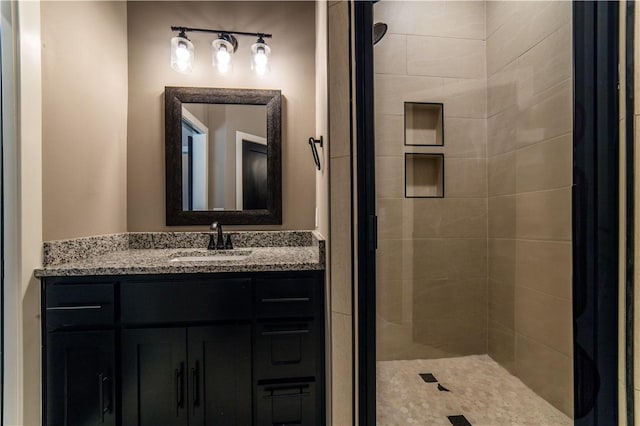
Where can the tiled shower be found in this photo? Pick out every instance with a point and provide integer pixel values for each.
(473, 178)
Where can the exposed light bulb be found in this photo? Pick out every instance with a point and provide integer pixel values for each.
(182, 54)
(182, 57)
(223, 60)
(260, 61)
(222, 50)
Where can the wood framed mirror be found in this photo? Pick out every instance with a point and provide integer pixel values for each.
(223, 156)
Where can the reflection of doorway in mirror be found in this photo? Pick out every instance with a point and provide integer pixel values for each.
(195, 157)
(251, 171)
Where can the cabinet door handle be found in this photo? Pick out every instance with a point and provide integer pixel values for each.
(103, 381)
(285, 332)
(179, 388)
(195, 383)
(285, 300)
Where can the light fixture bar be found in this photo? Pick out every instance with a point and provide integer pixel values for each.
(204, 30)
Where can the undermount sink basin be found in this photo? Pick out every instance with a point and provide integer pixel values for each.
(210, 256)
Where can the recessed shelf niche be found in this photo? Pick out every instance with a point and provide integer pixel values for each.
(423, 124)
(424, 175)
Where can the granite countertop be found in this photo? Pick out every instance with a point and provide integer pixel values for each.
(151, 253)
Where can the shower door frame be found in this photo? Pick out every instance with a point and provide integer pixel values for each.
(594, 212)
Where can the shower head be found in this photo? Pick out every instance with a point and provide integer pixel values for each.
(379, 30)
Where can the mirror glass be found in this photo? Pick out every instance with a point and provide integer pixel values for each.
(224, 157)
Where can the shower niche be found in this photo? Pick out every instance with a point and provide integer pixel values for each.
(424, 175)
(424, 171)
(423, 124)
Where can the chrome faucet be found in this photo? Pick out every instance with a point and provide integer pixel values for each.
(220, 245)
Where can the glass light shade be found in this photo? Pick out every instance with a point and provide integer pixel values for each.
(222, 51)
(260, 58)
(182, 54)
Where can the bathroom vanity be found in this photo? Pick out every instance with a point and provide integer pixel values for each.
(134, 337)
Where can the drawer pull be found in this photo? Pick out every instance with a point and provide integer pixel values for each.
(286, 300)
(287, 395)
(284, 332)
(74, 308)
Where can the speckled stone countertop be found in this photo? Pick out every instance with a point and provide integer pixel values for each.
(151, 253)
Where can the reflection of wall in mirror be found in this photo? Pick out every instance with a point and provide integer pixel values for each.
(195, 182)
(223, 122)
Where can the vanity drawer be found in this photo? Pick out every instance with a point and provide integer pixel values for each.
(287, 404)
(286, 297)
(285, 350)
(185, 301)
(79, 305)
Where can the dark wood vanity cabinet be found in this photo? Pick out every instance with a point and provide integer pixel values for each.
(217, 349)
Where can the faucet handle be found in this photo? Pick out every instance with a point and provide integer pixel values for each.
(228, 245)
(213, 226)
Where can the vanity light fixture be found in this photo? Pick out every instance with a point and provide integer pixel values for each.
(223, 48)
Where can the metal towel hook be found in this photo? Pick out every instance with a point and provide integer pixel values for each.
(312, 143)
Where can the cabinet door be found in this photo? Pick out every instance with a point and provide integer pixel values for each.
(220, 375)
(80, 385)
(154, 383)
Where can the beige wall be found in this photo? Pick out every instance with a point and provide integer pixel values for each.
(292, 71)
(432, 252)
(84, 114)
(529, 102)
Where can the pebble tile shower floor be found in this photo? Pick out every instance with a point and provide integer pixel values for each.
(478, 389)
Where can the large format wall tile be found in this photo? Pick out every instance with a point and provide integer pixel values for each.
(389, 134)
(549, 115)
(440, 259)
(340, 241)
(502, 217)
(393, 90)
(445, 57)
(544, 318)
(464, 98)
(465, 177)
(533, 22)
(437, 18)
(554, 156)
(502, 89)
(391, 55)
(338, 75)
(544, 215)
(501, 345)
(390, 177)
(389, 300)
(341, 369)
(444, 218)
(502, 260)
(546, 65)
(501, 172)
(450, 318)
(501, 303)
(465, 137)
(548, 372)
(545, 266)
